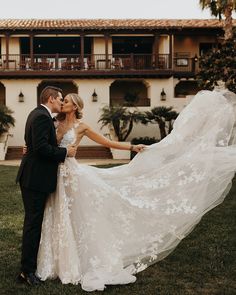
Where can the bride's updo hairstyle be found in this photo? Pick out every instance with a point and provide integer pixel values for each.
(77, 101)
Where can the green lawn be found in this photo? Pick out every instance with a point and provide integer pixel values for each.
(203, 263)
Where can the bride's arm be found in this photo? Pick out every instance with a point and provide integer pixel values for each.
(98, 138)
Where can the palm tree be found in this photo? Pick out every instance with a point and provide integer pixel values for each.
(219, 7)
(6, 119)
(163, 116)
(120, 119)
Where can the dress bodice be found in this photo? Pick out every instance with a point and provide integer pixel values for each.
(69, 137)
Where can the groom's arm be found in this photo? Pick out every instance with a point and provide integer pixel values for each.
(40, 140)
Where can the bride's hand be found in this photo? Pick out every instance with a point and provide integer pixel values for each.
(138, 148)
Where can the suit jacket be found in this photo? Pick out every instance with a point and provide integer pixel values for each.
(38, 168)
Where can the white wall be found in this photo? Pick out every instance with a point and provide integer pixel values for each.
(99, 45)
(3, 45)
(155, 89)
(92, 110)
(14, 45)
(164, 44)
(21, 109)
(14, 48)
(99, 48)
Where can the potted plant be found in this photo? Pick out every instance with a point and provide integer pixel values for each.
(120, 122)
(6, 121)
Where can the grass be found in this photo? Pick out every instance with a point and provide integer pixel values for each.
(203, 263)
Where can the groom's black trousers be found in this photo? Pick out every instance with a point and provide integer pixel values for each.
(34, 204)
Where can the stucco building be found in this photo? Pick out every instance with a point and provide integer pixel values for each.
(108, 57)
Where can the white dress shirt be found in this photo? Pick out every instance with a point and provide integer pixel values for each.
(47, 108)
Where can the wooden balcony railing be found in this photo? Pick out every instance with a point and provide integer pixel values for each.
(94, 62)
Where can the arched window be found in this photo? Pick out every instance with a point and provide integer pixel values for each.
(66, 86)
(184, 88)
(129, 93)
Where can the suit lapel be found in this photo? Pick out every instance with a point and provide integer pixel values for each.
(42, 108)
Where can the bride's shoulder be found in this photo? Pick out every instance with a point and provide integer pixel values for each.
(82, 126)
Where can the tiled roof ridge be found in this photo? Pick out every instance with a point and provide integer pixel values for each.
(108, 23)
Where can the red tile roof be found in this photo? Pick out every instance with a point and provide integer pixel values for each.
(14, 24)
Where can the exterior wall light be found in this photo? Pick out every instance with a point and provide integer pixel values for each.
(94, 96)
(21, 97)
(163, 95)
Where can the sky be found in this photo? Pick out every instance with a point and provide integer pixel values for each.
(161, 9)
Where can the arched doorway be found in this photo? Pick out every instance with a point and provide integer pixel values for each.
(66, 86)
(129, 93)
(2, 94)
(187, 87)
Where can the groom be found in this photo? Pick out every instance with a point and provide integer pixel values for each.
(37, 175)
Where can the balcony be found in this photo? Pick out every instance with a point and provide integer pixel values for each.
(95, 65)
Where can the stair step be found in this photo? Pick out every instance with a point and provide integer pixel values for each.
(83, 152)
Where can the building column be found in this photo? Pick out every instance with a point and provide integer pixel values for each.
(82, 50)
(170, 50)
(31, 51)
(7, 37)
(155, 51)
(106, 49)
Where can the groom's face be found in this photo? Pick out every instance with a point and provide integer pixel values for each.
(57, 103)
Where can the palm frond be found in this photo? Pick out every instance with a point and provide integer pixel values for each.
(6, 119)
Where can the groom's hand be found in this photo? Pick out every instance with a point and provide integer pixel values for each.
(24, 149)
(71, 150)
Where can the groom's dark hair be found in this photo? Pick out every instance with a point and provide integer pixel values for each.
(49, 91)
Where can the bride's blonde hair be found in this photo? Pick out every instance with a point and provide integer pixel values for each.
(77, 101)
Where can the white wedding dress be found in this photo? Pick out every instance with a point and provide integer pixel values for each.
(102, 226)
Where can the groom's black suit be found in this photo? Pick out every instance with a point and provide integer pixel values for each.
(38, 177)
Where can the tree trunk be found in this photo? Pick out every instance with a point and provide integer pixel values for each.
(129, 129)
(116, 125)
(170, 127)
(228, 24)
(162, 129)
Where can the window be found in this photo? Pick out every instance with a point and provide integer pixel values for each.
(129, 93)
(182, 59)
(184, 88)
(205, 47)
(182, 62)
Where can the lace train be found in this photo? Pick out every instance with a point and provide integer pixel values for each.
(102, 226)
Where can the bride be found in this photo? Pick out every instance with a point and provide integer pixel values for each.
(102, 226)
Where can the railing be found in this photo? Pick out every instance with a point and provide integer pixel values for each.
(95, 62)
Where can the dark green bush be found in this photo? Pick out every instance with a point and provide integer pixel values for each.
(142, 140)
